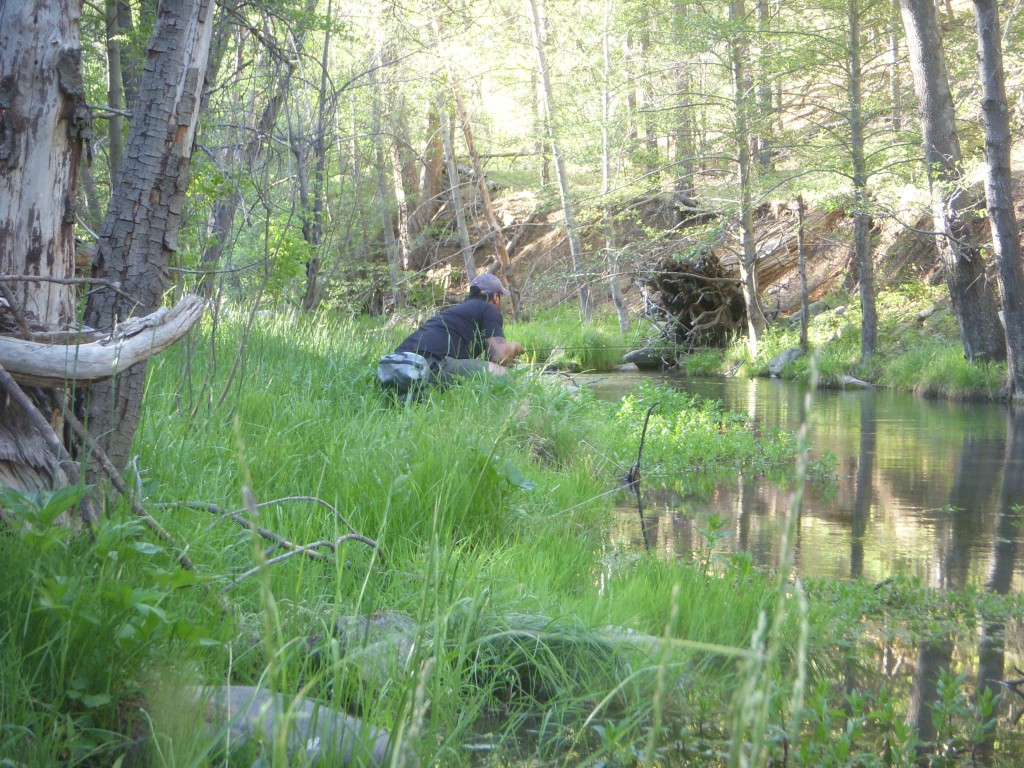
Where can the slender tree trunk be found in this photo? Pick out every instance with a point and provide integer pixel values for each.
(500, 244)
(115, 93)
(431, 186)
(651, 160)
(91, 192)
(685, 145)
(762, 138)
(540, 147)
(221, 221)
(895, 84)
(131, 66)
(312, 216)
(999, 191)
(862, 221)
(455, 186)
(394, 157)
(384, 200)
(970, 293)
(561, 172)
(748, 258)
(610, 245)
(802, 268)
(140, 233)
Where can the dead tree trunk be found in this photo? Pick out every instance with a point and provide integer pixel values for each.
(43, 123)
(140, 233)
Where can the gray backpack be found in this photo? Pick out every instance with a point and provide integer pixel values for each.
(405, 372)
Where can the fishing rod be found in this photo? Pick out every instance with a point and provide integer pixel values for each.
(560, 347)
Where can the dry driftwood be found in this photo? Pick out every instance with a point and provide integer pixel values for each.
(61, 365)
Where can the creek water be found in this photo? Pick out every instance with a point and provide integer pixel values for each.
(928, 489)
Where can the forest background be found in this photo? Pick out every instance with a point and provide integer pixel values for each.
(351, 161)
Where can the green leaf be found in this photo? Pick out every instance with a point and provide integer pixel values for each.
(146, 548)
(95, 700)
(509, 472)
(60, 501)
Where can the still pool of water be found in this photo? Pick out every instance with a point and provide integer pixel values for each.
(929, 489)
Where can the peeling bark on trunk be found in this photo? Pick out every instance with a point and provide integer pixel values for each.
(43, 123)
(139, 235)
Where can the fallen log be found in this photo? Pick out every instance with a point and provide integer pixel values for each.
(61, 365)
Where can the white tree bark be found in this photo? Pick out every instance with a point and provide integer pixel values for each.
(62, 365)
(43, 122)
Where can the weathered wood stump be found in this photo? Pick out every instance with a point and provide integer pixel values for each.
(702, 300)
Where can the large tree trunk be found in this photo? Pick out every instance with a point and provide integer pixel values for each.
(998, 190)
(139, 235)
(43, 122)
(970, 293)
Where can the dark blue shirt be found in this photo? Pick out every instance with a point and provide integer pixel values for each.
(460, 331)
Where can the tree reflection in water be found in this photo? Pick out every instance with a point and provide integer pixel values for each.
(929, 490)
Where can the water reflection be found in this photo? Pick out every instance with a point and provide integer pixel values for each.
(926, 489)
(933, 490)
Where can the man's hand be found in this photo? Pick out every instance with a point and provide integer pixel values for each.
(502, 352)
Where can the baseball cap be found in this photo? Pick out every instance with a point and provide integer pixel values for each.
(489, 283)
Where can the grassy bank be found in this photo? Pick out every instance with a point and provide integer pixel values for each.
(510, 625)
(918, 348)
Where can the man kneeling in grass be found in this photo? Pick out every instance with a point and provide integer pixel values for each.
(456, 342)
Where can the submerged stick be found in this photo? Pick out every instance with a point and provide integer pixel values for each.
(632, 478)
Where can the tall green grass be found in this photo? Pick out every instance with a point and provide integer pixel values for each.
(489, 503)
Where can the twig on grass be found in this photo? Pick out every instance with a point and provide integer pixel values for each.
(313, 499)
(235, 517)
(331, 545)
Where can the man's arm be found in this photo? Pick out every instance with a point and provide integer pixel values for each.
(503, 352)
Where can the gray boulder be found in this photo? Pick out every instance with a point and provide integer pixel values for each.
(781, 360)
(315, 734)
(646, 359)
